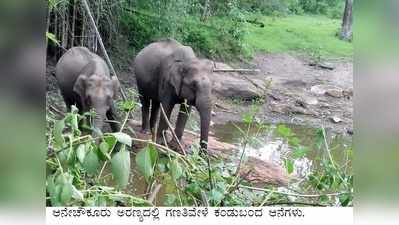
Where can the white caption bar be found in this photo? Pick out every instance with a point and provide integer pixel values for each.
(199, 215)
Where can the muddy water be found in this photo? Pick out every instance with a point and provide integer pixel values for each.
(269, 146)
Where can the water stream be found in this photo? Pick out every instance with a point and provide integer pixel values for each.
(269, 147)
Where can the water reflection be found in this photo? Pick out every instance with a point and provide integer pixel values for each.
(269, 146)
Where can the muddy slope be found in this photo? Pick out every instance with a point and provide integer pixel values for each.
(299, 93)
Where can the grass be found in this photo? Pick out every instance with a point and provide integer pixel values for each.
(303, 34)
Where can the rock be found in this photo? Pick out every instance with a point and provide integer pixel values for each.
(349, 131)
(311, 101)
(330, 90)
(335, 119)
(257, 172)
(317, 90)
(304, 101)
(234, 85)
(337, 93)
(348, 93)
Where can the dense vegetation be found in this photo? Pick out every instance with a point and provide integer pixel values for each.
(80, 169)
(224, 29)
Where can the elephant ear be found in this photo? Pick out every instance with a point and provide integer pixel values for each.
(115, 85)
(80, 85)
(176, 75)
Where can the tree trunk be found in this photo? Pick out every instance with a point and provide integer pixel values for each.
(205, 12)
(48, 24)
(83, 32)
(73, 23)
(65, 28)
(346, 32)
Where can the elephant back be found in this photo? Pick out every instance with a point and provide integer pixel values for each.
(70, 65)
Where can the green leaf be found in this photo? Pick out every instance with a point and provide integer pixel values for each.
(104, 149)
(74, 109)
(66, 193)
(323, 198)
(74, 122)
(247, 118)
(120, 166)
(76, 194)
(170, 200)
(294, 141)
(319, 138)
(345, 199)
(299, 152)
(52, 38)
(123, 138)
(57, 133)
(56, 201)
(63, 156)
(111, 141)
(284, 131)
(101, 201)
(81, 153)
(51, 189)
(162, 165)
(193, 188)
(175, 169)
(215, 196)
(91, 162)
(289, 165)
(71, 157)
(146, 160)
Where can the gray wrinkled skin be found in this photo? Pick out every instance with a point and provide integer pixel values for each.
(84, 81)
(169, 73)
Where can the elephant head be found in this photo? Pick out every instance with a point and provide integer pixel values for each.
(96, 92)
(191, 83)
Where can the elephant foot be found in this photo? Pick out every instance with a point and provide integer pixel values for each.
(176, 147)
(145, 131)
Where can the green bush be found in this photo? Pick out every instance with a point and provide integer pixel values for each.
(216, 37)
(332, 8)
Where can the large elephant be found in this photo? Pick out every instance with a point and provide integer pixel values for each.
(84, 80)
(169, 73)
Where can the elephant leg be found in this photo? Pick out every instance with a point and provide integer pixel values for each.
(184, 113)
(168, 108)
(112, 116)
(154, 115)
(68, 102)
(145, 109)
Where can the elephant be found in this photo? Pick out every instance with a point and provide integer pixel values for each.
(169, 73)
(84, 80)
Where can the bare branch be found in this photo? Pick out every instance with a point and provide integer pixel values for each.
(171, 130)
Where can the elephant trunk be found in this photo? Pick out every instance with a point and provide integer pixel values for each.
(98, 121)
(203, 106)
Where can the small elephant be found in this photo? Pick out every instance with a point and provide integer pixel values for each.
(169, 73)
(84, 80)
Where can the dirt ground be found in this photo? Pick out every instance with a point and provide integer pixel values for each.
(299, 93)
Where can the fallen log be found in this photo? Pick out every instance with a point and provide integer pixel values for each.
(256, 171)
(322, 66)
(237, 70)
